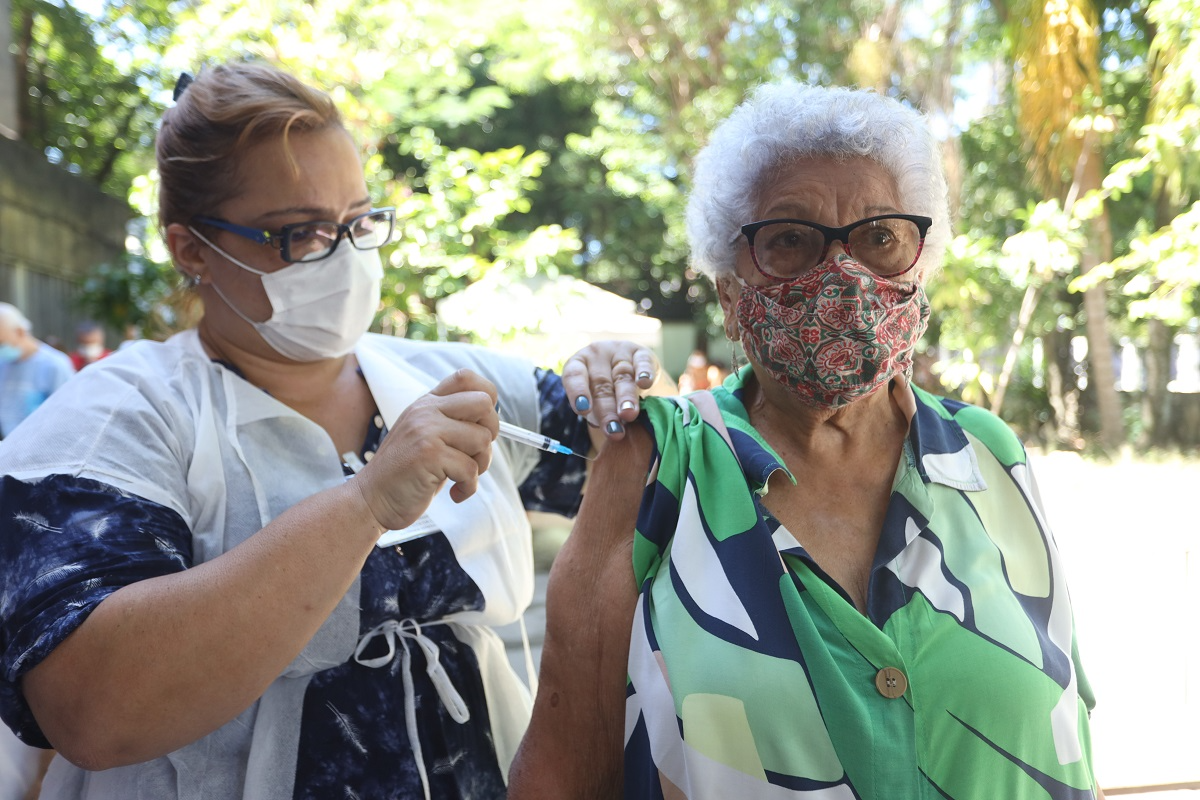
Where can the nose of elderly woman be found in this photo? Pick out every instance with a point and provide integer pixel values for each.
(836, 248)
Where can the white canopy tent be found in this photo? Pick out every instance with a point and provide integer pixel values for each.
(546, 319)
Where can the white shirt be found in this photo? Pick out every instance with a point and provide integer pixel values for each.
(164, 422)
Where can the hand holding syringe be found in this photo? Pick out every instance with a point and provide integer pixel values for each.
(425, 525)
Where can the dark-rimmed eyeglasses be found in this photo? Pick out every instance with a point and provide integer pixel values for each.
(313, 241)
(888, 245)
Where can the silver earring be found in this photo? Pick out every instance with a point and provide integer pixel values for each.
(194, 281)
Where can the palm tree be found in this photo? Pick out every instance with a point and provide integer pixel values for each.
(1174, 93)
(1056, 81)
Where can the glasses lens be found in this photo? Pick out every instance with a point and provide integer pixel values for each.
(311, 242)
(372, 230)
(886, 246)
(787, 249)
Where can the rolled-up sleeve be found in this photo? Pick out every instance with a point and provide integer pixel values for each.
(66, 543)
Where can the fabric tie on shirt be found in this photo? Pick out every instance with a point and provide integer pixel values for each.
(406, 629)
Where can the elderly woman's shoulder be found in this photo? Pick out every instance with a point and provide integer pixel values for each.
(979, 423)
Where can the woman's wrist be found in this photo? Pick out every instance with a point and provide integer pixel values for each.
(359, 514)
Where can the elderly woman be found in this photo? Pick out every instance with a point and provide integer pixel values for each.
(264, 559)
(819, 580)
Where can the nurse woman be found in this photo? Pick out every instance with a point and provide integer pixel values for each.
(194, 599)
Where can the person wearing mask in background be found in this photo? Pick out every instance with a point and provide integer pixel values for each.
(89, 345)
(133, 333)
(700, 373)
(264, 558)
(30, 370)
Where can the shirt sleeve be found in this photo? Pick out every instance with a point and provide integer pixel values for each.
(66, 543)
(556, 484)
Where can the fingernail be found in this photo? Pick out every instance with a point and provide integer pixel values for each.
(628, 404)
(614, 427)
(582, 405)
(643, 376)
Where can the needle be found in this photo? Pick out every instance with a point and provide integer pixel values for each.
(510, 431)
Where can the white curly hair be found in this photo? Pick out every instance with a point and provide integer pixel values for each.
(784, 121)
(12, 315)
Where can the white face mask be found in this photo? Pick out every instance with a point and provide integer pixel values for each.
(91, 351)
(320, 309)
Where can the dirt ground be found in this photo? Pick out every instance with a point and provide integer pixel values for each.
(1129, 532)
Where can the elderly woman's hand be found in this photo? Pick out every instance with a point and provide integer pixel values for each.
(605, 380)
(444, 435)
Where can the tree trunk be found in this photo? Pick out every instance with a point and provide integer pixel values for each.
(1156, 406)
(1062, 389)
(1101, 376)
(114, 151)
(940, 100)
(1028, 305)
(21, 64)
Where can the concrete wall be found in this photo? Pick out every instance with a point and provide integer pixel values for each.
(54, 227)
(8, 76)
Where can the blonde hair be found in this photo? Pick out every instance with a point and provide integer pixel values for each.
(217, 116)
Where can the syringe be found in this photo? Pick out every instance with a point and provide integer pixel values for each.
(510, 431)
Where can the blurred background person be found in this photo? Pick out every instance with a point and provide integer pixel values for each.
(30, 370)
(133, 333)
(701, 373)
(695, 373)
(89, 345)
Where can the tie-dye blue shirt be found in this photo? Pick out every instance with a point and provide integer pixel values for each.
(26, 383)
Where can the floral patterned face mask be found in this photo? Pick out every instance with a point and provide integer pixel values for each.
(834, 334)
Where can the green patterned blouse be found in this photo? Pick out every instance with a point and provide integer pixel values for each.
(752, 675)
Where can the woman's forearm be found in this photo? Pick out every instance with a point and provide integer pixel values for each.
(574, 745)
(165, 661)
(162, 662)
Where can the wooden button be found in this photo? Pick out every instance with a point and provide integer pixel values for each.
(891, 683)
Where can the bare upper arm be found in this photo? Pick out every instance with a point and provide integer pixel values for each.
(575, 742)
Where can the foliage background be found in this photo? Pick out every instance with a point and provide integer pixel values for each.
(555, 138)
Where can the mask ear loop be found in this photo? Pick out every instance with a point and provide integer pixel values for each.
(225, 255)
(735, 337)
(217, 289)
